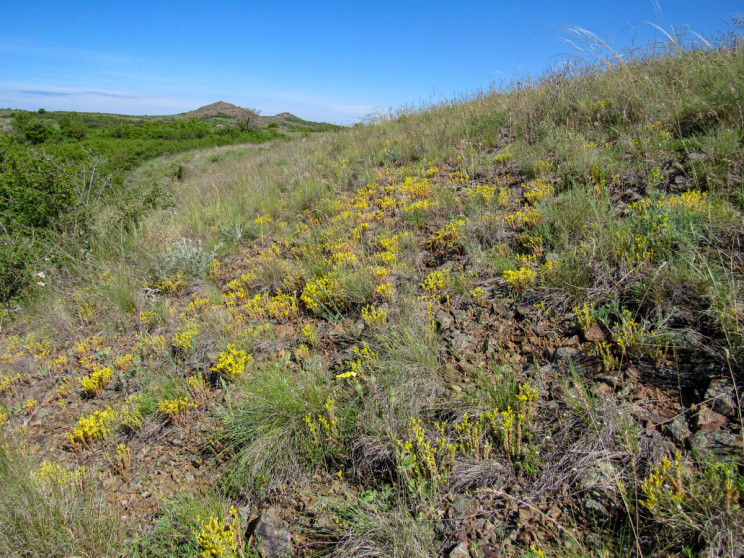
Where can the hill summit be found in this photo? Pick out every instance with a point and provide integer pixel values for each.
(221, 107)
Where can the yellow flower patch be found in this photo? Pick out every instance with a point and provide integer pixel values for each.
(92, 428)
(232, 362)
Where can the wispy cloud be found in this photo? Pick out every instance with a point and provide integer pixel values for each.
(74, 92)
(112, 95)
(37, 93)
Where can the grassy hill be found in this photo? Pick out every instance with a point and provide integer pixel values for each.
(509, 325)
(57, 169)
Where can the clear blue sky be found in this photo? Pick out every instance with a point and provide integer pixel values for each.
(333, 61)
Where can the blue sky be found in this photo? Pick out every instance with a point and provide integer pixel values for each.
(334, 61)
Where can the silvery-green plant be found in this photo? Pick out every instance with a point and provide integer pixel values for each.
(184, 255)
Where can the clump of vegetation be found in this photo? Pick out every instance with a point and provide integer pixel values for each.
(232, 362)
(92, 428)
(97, 380)
(704, 503)
(50, 510)
(174, 410)
(183, 256)
(214, 539)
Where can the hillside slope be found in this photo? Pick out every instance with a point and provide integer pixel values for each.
(506, 326)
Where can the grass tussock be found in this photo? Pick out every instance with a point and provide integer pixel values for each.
(49, 511)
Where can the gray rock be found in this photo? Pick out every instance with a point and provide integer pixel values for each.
(462, 507)
(459, 315)
(598, 484)
(721, 392)
(271, 534)
(677, 430)
(546, 370)
(522, 311)
(707, 419)
(717, 442)
(613, 379)
(595, 506)
(566, 354)
(600, 478)
(460, 551)
(461, 341)
(43, 412)
(444, 320)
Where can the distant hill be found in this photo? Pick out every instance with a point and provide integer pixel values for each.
(222, 113)
(221, 107)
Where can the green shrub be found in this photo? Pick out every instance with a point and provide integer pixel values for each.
(38, 131)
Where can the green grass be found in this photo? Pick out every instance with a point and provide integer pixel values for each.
(50, 518)
(268, 433)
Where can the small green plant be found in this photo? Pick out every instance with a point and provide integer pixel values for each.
(130, 416)
(537, 190)
(311, 335)
(198, 386)
(505, 157)
(540, 169)
(507, 427)
(585, 316)
(479, 295)
(53, 475)
(640, 340)
(121, 461)
(171, 284)
(603, 351)
(30, 405)
(436, 281)
(323, 295)
(430, 461)
(324, 432)
(185, 336)
(8, 382)
(424, 460)
(184, 255)
(361, 365)
(449, 236)
(704, 502)
(374, 317)
(520, 279)
(174, 410)
(529, 217)
(470, 433)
